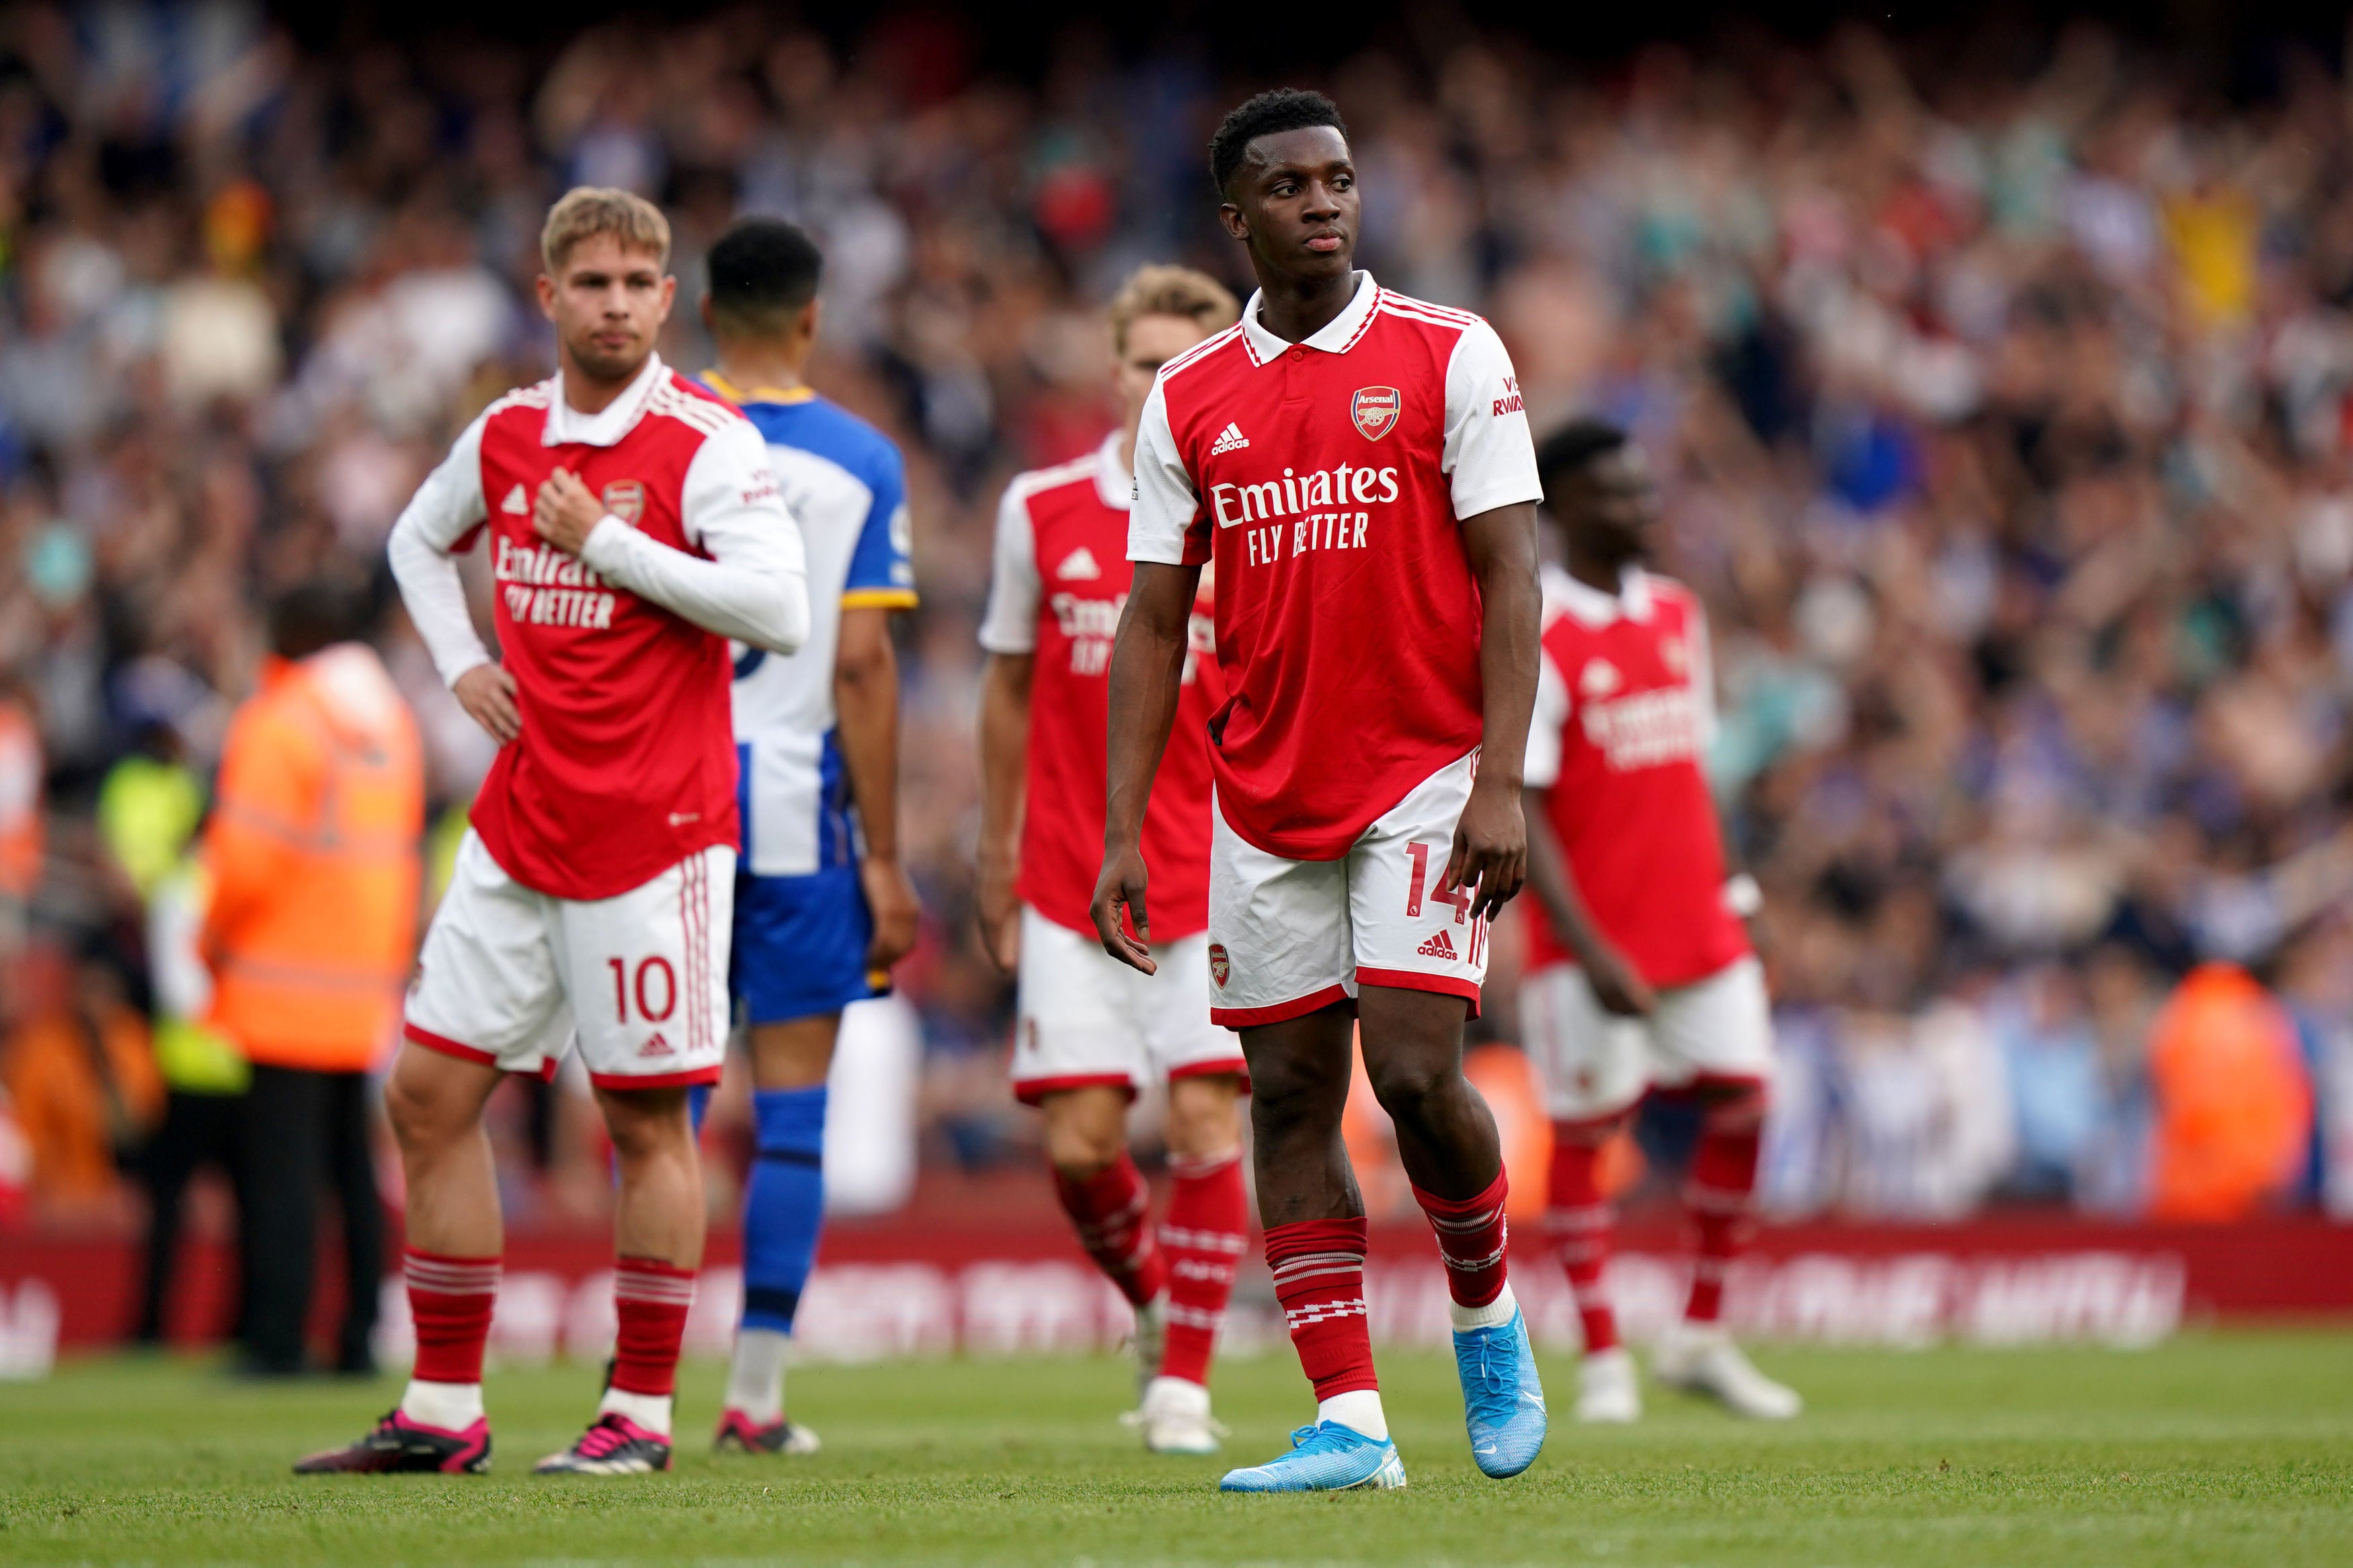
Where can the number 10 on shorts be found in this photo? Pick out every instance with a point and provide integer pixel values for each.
(654, 987)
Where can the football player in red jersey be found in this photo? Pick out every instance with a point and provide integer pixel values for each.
(634, 526)
(1356, 467)
(1091, 1032)
(1640, 973)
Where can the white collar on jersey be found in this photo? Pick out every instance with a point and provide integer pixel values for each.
(1596, 609)
(1113, 482)
(567, 424)
(1333, 336)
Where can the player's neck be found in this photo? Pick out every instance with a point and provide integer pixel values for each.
(1597, 571)
(587, 393)
(1296, 309)
(757, 368)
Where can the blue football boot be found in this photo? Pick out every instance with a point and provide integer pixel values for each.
(1325, 1458)
(1503, 1402)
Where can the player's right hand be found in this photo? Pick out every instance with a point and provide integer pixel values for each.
(487, 693)
(1617, 985)
(1121, 888)
(1000, 912)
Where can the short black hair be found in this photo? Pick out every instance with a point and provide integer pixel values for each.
(316, 612)
(762, 272)
(1573, 447)
(1268, 114)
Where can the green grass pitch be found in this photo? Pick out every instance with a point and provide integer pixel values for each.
(2217, 1448)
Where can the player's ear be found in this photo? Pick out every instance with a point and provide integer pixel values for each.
(811, 315)
(545, 287)
(1230, 215)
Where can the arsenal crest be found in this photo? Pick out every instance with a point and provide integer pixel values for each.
(1218, 967)
(626, 499)
(1376, 409)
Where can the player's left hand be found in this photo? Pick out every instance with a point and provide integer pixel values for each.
(897, 913)
(1490, 849)
(1121, 888)
(565, 511)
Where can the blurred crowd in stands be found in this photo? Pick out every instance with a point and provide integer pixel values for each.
(2002, 399)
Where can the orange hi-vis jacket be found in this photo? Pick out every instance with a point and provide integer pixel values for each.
(313, 855)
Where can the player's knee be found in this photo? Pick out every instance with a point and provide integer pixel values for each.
(1086, 1130)
(1404, 1086)
(421, 1115)
(1734, 1104)
(1201, 1119)
(645, 1124)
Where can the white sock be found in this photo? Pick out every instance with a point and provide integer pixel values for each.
(1359, 1408)
(1493, 1315)
(755, 1379)
(452, 1406)
(650, 1411)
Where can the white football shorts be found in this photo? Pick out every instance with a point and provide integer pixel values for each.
(511, 976)
(1288, 937)
(1085, 1018)
(1595, 1063)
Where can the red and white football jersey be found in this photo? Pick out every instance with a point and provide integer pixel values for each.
(1059, 582)
(1625, 712)
(627, 762)
(1327, 481)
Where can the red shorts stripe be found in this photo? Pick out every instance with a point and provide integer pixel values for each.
(1031, 1090)
(1237, 1066)
(1414, 980)
(1298, 1008)
(656, 1079)
(445, 1046)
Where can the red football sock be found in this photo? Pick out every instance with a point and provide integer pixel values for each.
(1202, 1238)
(1473, 1237)
(1579, 1219)
(450, 1301)
(1319, 1277)
(1719, 1192)
(1109, 1208)
(652, 1299)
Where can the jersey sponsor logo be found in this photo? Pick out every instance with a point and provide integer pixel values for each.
(1220, 967)
(1090, 626)
(517, 504)
(1287, 510)
(1228, 439)
(656, 1046)
(1645, 728)
(1438, 946)
(1598, 678)
(1511, 402)
(626, 499)
(1233, 503)
(541, 586)
(1375, 410)
(1078, 566)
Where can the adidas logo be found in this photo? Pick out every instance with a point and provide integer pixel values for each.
(658, 1046)
(516, 504)
(1228, 439)
(1438, 946)
(1078, 566)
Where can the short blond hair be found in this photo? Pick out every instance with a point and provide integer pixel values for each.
(1163, 290)
(584, 212)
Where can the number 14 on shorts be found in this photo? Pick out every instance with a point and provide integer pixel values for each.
(1431, 878)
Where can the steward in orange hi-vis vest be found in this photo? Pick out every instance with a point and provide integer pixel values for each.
(313, 853)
